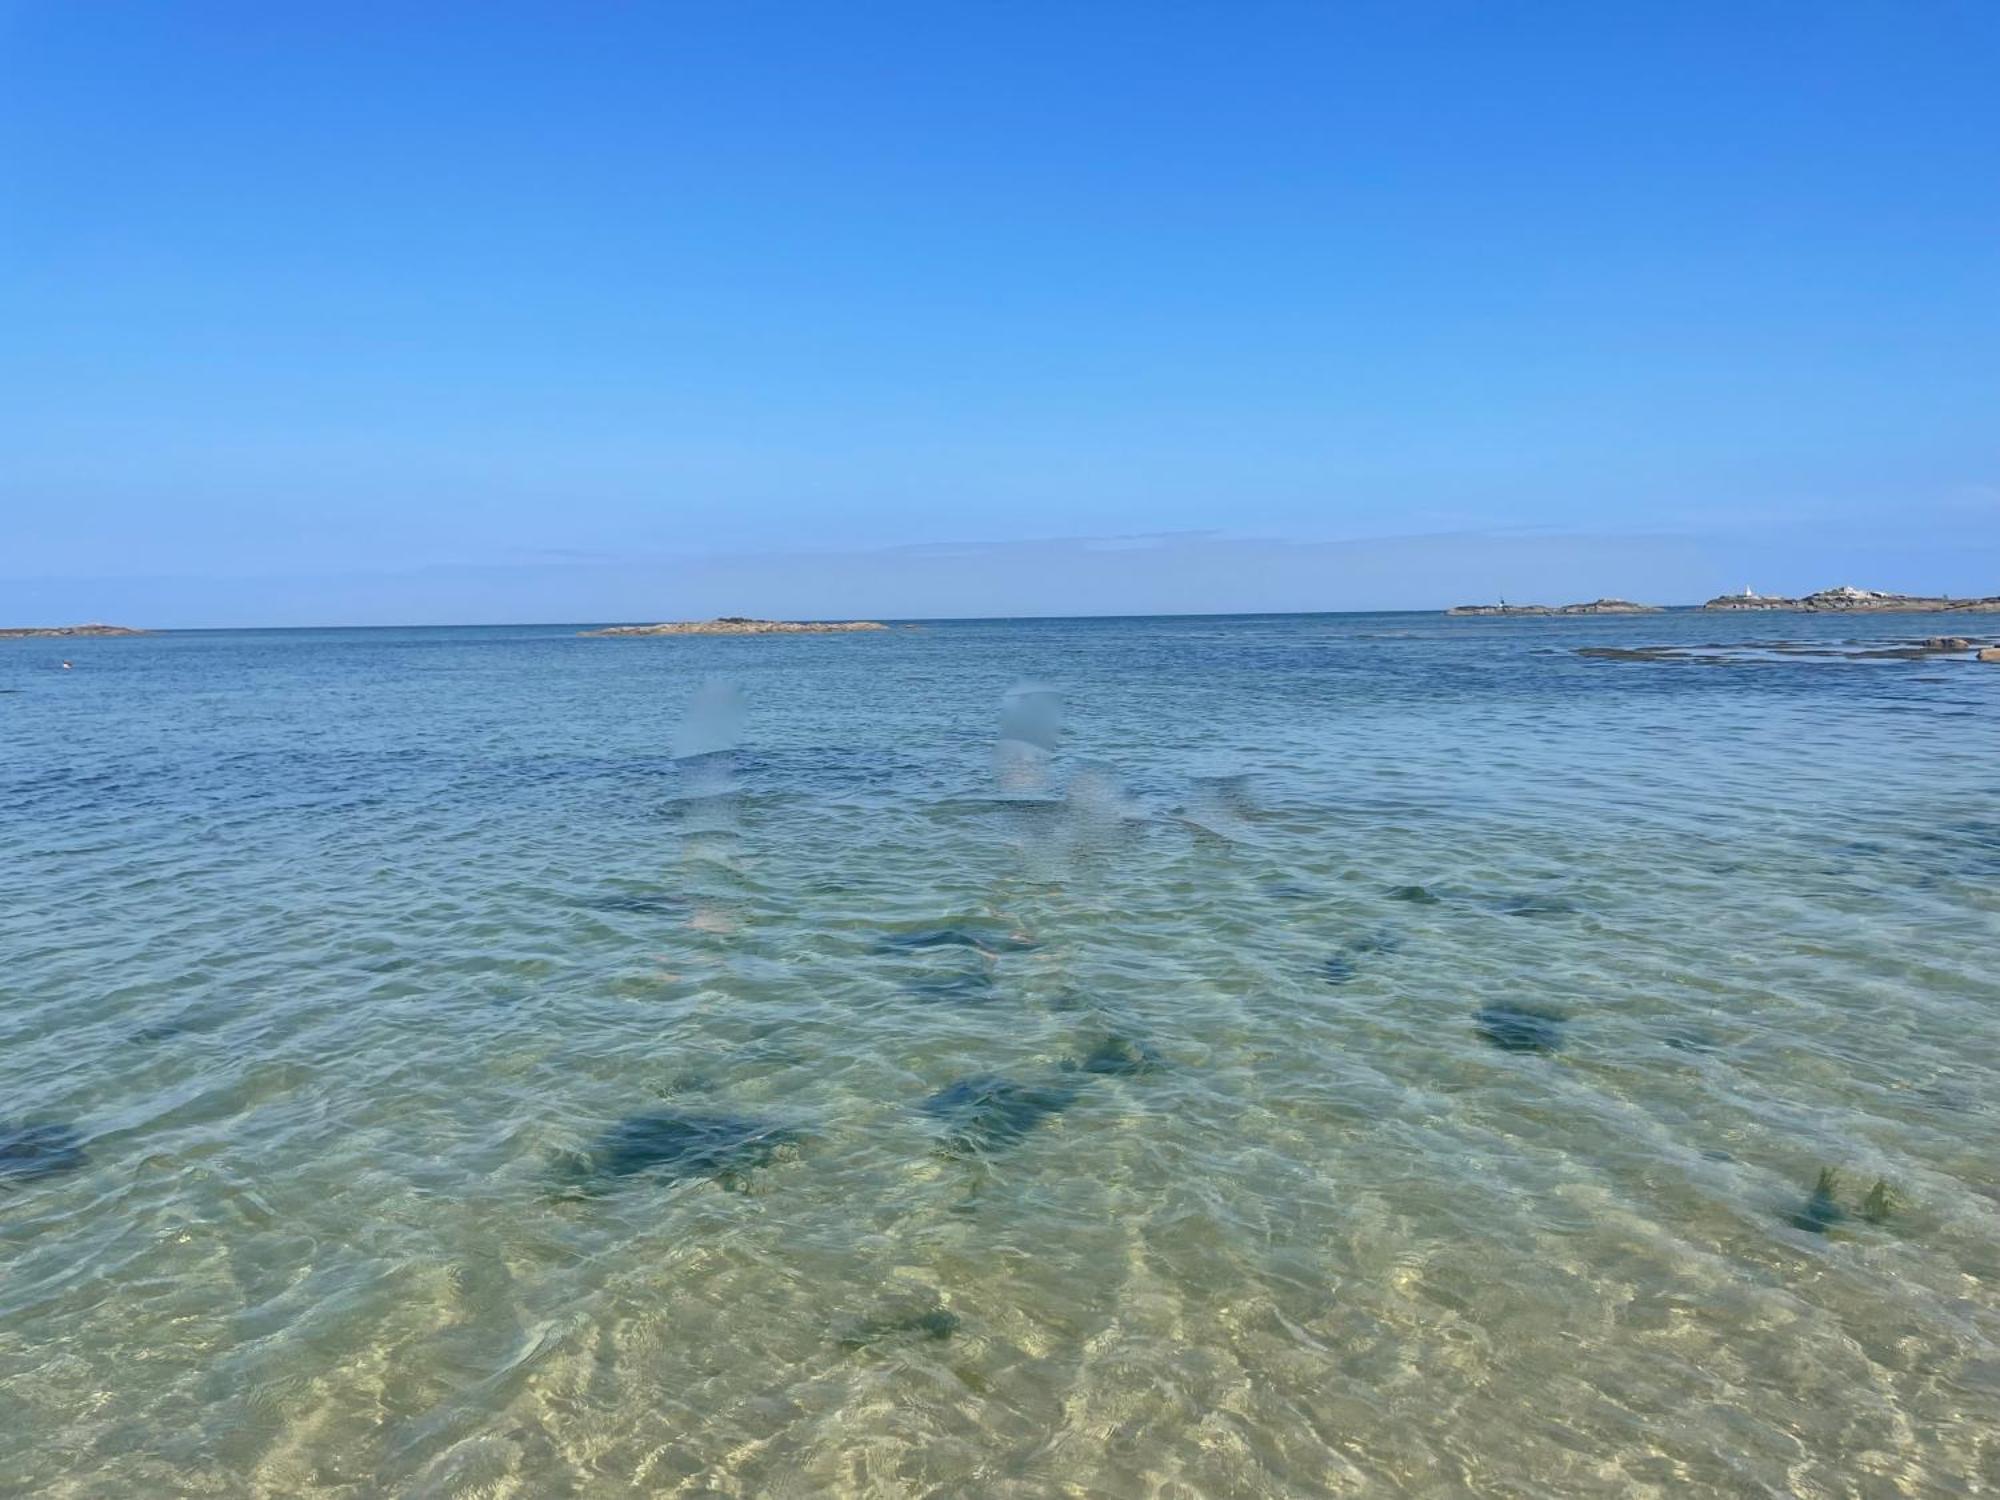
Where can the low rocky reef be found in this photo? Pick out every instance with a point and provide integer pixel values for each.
(35, 632)
(739, 625)
(1858, 601)
(1594, 607)
(1930, 648)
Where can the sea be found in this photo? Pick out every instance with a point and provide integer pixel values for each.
(1311, 1055)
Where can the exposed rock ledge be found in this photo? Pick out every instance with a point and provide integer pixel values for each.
(1856, 600)
(1594, 607)
(738, 625)
(27, 632)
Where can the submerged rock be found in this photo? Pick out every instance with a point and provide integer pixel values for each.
(1417, 895)
(1880, 1204)
(674, 1146)
(30, 1151)
(986, 1114)
(1821, 1210)
(1338, 968)
(1520, 1028)
(1631, 653)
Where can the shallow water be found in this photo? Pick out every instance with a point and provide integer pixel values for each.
(333, 959)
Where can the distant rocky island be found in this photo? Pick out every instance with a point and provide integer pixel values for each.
(29, 632)
(1594, 607)
(1860, 601)
(1826, 601)
(739, 625)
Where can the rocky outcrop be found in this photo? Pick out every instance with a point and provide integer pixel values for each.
(1594, 607)
(1609, 607)
(1749, 600)
(29, 632)
(738, 625)
(1858, 601)
(1990, 653)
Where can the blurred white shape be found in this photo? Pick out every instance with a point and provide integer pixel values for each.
(1030, 730)
(1032, 714)
(712, 723)
(1097, 799)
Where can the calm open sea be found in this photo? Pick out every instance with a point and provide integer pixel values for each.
(1342, 1055)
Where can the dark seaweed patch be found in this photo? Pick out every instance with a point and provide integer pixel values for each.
(1289, 890)
(931, 1323)
(30, 1151)
(990, 940)
(1118, 1057)
(673, 1146)
(983, 1115)
(1520, 1028)
(161, 1031)
(1880, 1204)
(641, 904)
(1340, 967)
(1821, 1210)
(1691, 1039)
(1415, 894)
(1531, 905)
(964, 987)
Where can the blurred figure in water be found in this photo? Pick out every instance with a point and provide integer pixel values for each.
(705, 745)
(1100, 814)
(713, 723)
(1030, 730)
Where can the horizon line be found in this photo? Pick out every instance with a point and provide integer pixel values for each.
(1229, 614)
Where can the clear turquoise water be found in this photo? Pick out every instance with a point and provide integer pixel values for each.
(337, 953)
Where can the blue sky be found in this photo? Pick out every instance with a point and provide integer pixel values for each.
(392, 313)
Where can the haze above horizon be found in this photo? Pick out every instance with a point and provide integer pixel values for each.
(319, 315)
